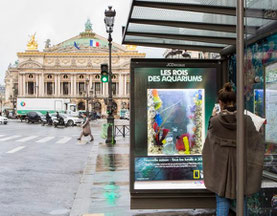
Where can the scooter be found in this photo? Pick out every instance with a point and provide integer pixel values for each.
(48, 122)
(59, 122)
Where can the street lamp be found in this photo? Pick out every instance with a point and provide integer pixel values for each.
(109, 22)
(87, 82)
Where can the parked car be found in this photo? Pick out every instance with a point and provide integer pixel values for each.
(92, 115)
(69, 120)
(33, 117)
(3, 120)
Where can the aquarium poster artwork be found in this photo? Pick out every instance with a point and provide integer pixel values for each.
(259, 102)
(175, 121)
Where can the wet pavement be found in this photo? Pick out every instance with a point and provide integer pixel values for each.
(104, 187)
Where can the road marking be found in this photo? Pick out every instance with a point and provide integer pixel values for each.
(64, 140)
(9, 138)
(15, 149)
(26, 139)
(45, 139)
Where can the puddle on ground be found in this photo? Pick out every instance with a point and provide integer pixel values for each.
(112, 162)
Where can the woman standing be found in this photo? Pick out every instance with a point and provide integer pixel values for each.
(86, 128)
(219, 154)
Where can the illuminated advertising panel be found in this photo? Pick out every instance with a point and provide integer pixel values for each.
(171, 104)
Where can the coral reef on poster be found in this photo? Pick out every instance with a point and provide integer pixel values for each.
(175, 121)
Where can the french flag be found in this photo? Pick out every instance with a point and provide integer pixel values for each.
(94, 43)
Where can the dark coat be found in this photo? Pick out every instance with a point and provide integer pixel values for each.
(86, 127)
(219, 156)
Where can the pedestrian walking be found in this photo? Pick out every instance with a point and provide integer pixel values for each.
(219, 154)
(86, 128)
(47, 118)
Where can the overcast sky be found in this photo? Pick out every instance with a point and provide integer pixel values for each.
(57, 20)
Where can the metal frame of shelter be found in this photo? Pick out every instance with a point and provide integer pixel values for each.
(209, 26)
(171, 24)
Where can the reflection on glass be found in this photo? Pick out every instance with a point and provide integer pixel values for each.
(271, 103)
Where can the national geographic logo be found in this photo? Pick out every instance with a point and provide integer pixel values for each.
(175, 65)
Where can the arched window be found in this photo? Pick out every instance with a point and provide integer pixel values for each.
(31, 76)
(81, 76)
(49, 76)
(97, 76)
(114, 76)
(65, 76)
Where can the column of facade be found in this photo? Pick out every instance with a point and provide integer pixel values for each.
(19, 85)
(37, 87)
(121, 85)
(72, 85)
(59, 84)
(41, 84)
(56, 84)
(105, 89)
(91, 93)
(90, 81)
(23, 85)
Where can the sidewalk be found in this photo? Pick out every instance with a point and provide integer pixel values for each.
(104, 187)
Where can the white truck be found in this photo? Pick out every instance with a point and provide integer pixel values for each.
(43, 105)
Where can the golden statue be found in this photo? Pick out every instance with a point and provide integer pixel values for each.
(131, 47)
(32, 44)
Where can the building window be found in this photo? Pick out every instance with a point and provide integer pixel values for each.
(30, 88)
(65, 76)
(65, 88)
(49, 88)
(81, 76)
(115, 88)
(113, 76)
(97, 76)
(81, 87)
(49, 76)
(97, 88)
(31, 76)
(127, 88)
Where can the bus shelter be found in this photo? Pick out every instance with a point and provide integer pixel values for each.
(245, 34)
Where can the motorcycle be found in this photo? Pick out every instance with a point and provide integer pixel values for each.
(48, 121)
(59, 122)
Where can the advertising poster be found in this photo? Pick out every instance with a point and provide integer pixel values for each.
(259, 102)
(270, 164)
(271, 103)
(172, 106)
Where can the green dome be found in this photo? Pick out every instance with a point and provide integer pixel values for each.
(84, 42)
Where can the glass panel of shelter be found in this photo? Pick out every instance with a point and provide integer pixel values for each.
(261, 99)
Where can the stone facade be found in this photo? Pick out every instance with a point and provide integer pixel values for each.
(71, 70)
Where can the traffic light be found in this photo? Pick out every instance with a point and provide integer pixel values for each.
(104, 73)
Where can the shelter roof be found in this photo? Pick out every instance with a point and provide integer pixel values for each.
(205, 25)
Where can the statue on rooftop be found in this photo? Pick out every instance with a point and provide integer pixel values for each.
(88, 26)
(47, 43)
(32, 44)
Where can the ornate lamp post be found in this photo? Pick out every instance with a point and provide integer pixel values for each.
(109, 22)
(87, 85)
